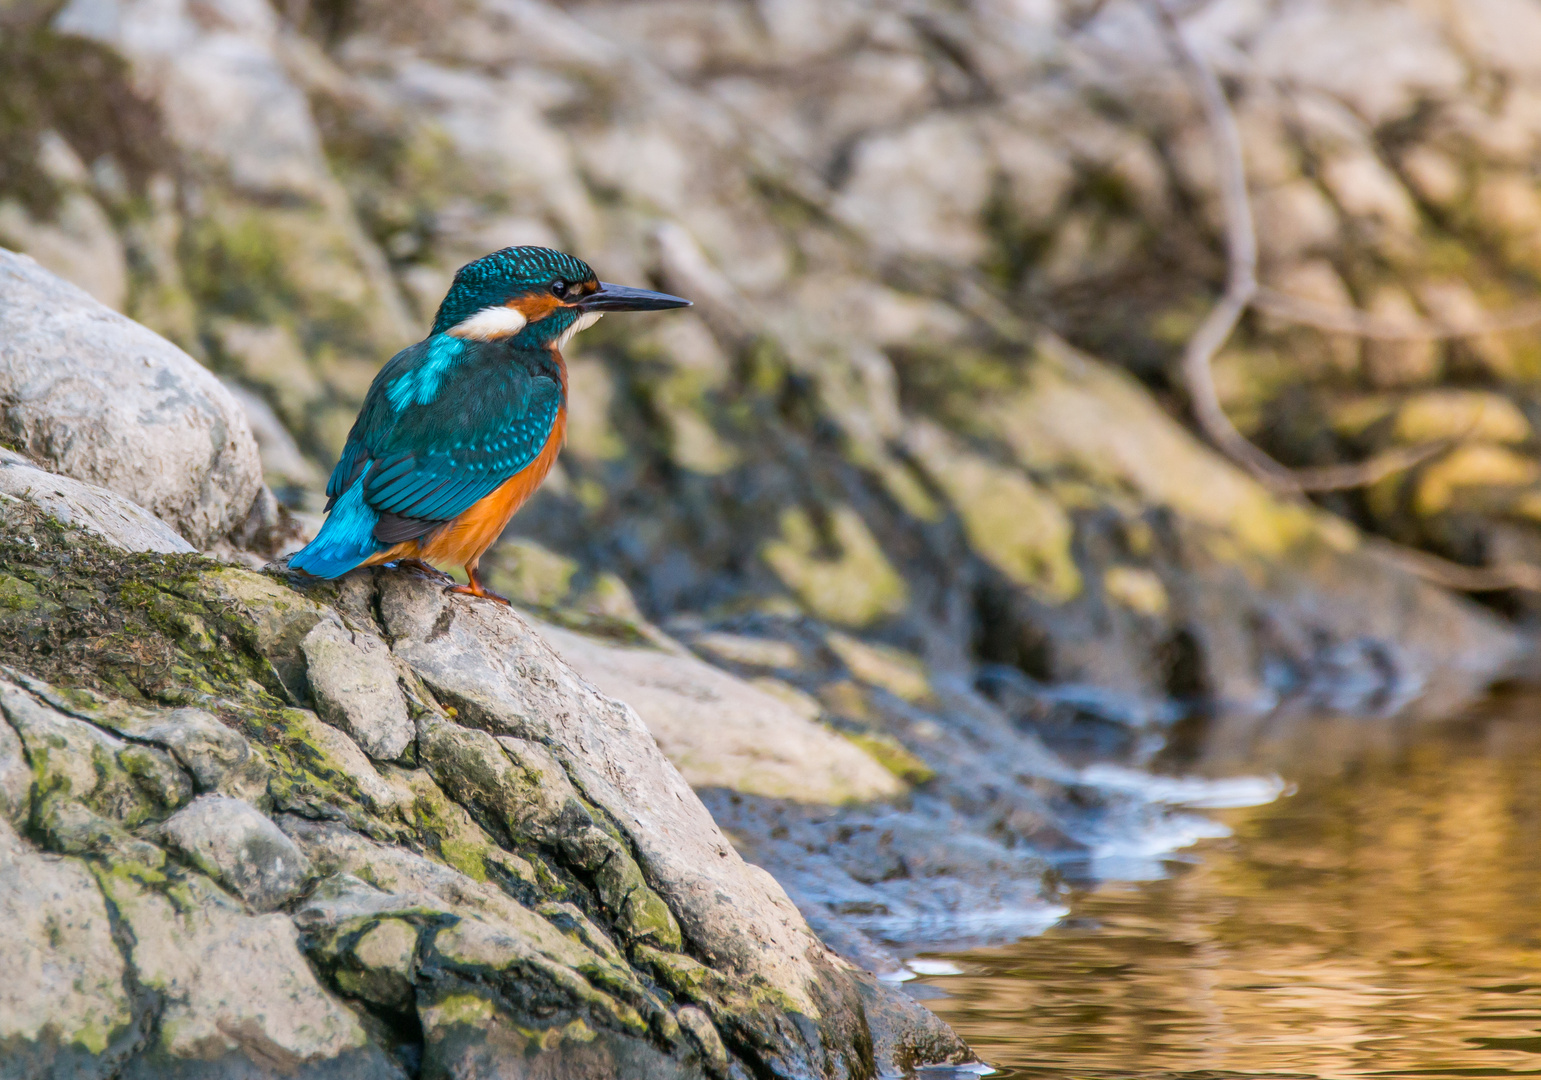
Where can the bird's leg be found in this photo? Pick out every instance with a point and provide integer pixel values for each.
(421, 566)
(476, 588)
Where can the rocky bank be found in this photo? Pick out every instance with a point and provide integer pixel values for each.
(355, 830)
(885, 213)
(897, 543)
(254, 826)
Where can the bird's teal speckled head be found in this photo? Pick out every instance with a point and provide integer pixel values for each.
(534, 297)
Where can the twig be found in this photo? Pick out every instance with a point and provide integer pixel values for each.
(1338, 320)
(1241, 292)
(1370, 471)
(1241, 262)
(1454, 575)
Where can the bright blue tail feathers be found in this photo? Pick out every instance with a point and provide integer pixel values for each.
(346, 539)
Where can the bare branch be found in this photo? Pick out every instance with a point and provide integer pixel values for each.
(1370, 471)
(1454, 575)
(1241, 261)
(1242, 291)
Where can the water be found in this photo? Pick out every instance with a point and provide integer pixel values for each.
(1382, 920)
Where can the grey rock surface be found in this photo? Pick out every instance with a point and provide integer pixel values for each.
(102, 399)
(886, 322)
(353, 683)
(503, 675)
(239, 847)
(216, 757)
(720, 731)
(280, 619)
(80, 768)
(283, 463)
(499, 675)
(283, 904)
(239, 995)
(64, 1009)
(103, 513)
(15, 778)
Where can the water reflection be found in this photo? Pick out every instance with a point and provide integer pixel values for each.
(1385, 920)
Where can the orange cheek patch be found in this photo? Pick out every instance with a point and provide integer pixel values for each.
(536, 306)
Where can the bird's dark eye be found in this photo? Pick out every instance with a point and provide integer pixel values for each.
(559, 288)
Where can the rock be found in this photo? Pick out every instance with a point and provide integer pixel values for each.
(747, 651)
(920, 189)
(1476, 465)
(1435, 176)
(1460, 414)
(451, 833)
(64, 1008)
(238, 992)
(981, 160)
(1087, 413)
(339, 758)
(340, 898)
(704, 1032)
(283, 463)
(238, 847)
(1399, 363)
(1365, 188)
(722, 732)
(408, 885)
(221, 83)
(15, 778)
(1294, 220)
(103, 400)
(524, 794)
(1016, 526)
(861, 428)
(480, 935)
(280, 621)
(854, 584)
(74, 762)
(593, 438)
(1453, 303)
(353, 682)
(102, 513)
(520, 787)
(77, 242)
(387, 954)
(890, 669)
(503, 677)
(1316, 280)
(1379, 60)
(273, 355)
(218, 758)
(518, 909)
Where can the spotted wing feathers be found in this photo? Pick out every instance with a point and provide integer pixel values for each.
(426, 463)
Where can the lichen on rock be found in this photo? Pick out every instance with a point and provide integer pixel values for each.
(158, 429)
(266, 895)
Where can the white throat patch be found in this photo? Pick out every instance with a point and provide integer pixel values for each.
(582, 322)
(490, 323)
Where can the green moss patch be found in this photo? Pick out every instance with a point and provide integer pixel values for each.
(78, 613)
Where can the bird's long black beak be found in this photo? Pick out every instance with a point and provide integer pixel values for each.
(622, 298)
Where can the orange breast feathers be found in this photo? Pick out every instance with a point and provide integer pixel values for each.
(463, 540)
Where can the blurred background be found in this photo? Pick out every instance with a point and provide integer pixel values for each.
(930, 457)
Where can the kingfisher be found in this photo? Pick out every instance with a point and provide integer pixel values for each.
(460, 429)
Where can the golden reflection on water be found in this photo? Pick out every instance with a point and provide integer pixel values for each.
(1385, 920)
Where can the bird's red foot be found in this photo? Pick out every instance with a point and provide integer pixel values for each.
(476, 588)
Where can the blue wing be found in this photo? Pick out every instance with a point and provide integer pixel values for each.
(444, 425)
